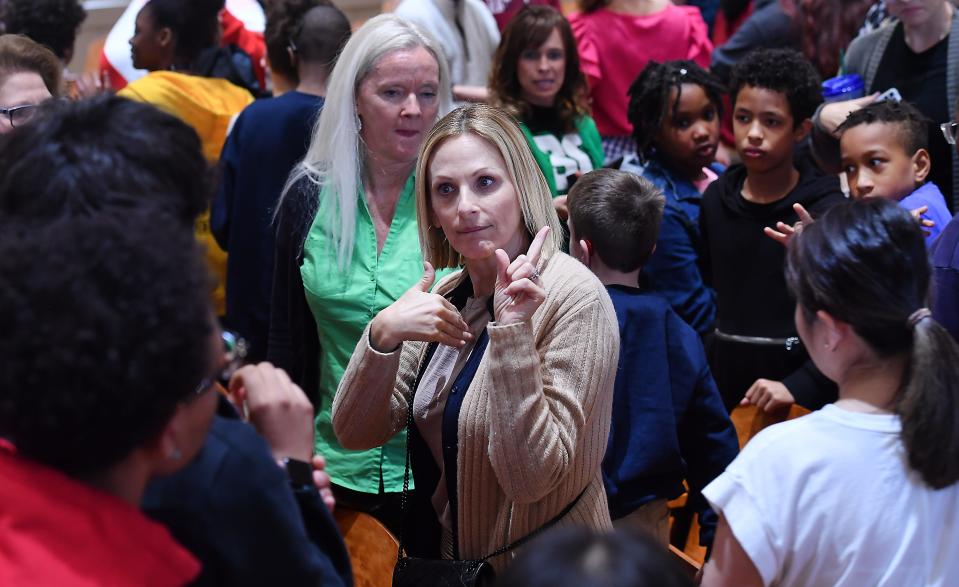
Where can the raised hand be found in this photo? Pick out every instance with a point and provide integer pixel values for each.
(783, 232)
(276, 407)
(834, 113)
(518, 292)
(419, 315)
(924, 223)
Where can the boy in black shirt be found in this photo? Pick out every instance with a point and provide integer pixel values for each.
(756, 355)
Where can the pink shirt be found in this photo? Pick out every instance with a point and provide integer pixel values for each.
(615, 47)
(709, 176)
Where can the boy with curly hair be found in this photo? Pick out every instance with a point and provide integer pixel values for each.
(53, 23)
(756, 355)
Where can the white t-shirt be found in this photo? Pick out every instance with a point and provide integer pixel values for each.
(829, 499)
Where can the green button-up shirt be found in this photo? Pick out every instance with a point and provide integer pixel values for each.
(342, 303)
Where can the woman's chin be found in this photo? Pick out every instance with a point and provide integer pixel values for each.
(477, 251)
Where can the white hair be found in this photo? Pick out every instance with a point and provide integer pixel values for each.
(336, 156)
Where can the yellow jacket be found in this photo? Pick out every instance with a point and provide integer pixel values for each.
(209, 105)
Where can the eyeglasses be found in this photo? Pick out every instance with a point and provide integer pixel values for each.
(235, 349)
(949, 131)
(20, 115)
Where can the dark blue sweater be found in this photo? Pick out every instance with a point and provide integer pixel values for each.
(268, 139)
(669, 422)
(945, 277)
(235, 510)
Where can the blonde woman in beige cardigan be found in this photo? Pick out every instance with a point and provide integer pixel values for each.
(532, 428)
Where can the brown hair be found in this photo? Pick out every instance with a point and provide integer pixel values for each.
(620, 213)
(530, 29)
(826, 27)
(19, 54)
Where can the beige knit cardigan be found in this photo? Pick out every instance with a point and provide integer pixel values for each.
(533, 427)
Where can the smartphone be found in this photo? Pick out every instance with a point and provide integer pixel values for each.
(890, 94)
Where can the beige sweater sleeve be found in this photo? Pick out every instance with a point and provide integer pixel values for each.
(371, 401)
(543, 396)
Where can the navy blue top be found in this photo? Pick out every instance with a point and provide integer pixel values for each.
(234, 509)
(945, 278)
(268, 139)
(669, 422)
(673, 269)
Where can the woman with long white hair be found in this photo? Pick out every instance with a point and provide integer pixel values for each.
(347, 237)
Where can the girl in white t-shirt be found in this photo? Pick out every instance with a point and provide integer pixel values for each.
(864, 491)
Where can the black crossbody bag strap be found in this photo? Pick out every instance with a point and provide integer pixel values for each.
(404, 499)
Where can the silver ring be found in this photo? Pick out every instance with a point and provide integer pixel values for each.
(535, 274)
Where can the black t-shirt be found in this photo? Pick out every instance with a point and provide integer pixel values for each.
(545, 120)
(921, 80)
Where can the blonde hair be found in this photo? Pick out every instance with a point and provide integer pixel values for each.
(501, 131)
(335, 159)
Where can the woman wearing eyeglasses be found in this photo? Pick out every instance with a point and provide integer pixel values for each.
(29, 74)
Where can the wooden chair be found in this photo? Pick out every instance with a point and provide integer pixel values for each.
(371, 547)
(748, 421)
(689, 565)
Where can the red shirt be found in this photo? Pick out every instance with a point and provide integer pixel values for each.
(57, 531)
(614, 48)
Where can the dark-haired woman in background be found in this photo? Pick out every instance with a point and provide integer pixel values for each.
(169, 38)
(887, 450)
(536, 78)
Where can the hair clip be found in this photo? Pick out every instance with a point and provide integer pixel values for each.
(682, 71)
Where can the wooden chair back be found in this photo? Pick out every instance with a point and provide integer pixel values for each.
(372, 548)
(689, 565)
(749, 420)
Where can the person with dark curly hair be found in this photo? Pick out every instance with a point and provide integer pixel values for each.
(756, 353)
(536, 78)
(674, 108)
(134, 156)
(268, 139)
(107, 343)
(113, 158)
(52, 23)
